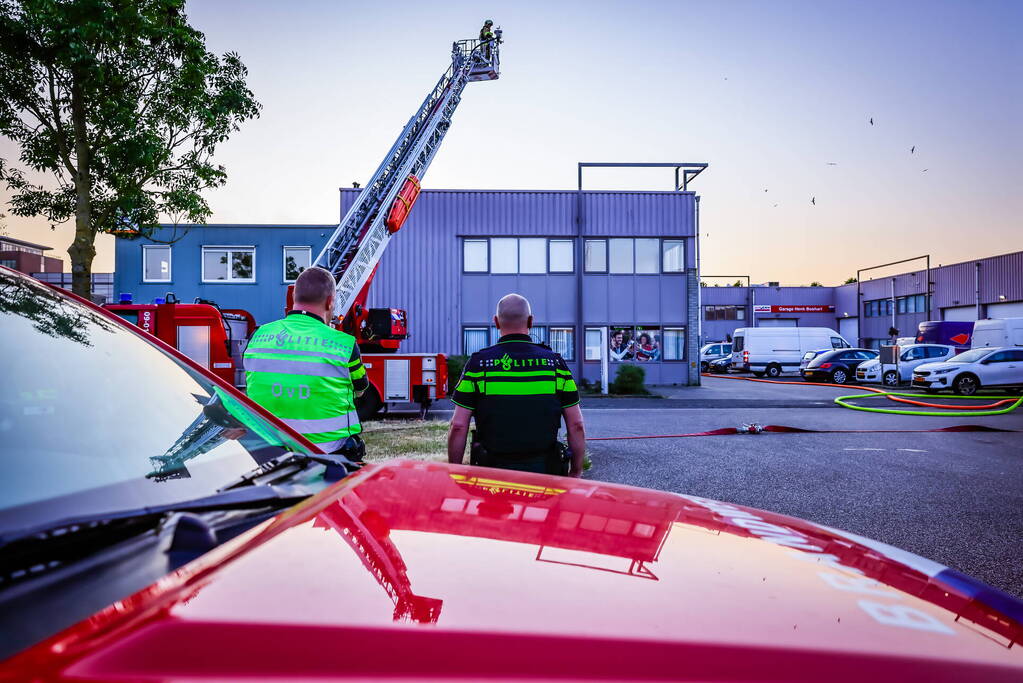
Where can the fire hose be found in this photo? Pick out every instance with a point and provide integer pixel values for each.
(996, 408)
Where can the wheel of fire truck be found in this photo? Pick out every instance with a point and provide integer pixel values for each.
(369, 404)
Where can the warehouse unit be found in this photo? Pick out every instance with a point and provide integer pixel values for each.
(865, 312)
(591, 263)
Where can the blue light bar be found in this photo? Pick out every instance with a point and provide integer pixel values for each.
(159, 300)
(125, 298)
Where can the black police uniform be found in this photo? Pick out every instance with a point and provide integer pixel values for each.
(517, 390)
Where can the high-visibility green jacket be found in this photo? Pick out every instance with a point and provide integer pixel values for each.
(307, 374)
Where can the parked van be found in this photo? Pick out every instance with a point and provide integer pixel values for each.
(998, 332)
(945, 332)
(773, 350)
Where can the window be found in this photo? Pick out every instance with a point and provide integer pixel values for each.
(474, 339)
(901, 304)
(562, 340)
(504, 255)
(475, 256)
(674, 346)
(8, 263)
(673, 256)
(538, 333)
(838, 343)
(595, 258)
(156, 263)
(620, 255)
(936, 352)
(724, 312)
(533, 255)
(647, 256)
(561, 257)
(296, 259)
(592, 339)
(228, 264)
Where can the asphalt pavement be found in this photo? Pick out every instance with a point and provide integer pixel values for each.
(956, 498)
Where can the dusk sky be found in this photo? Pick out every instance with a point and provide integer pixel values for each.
(768, 93)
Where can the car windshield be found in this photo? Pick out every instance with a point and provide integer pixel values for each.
(971, 356)
(93, 418)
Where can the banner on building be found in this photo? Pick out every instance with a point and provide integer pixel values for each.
(770, 308)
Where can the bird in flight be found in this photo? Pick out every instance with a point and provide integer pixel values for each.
(813, 200)
(872, 120)
(924, 171)
(776, 205)
(912, 149)
(832, 163)
(765, 189)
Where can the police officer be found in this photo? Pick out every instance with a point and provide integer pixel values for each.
(518, 392)
(308, 373)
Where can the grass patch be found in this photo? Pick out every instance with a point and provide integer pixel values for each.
(407, 439)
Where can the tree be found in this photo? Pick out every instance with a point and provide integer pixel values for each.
(816, 284)
(121, 103)
(737, 283)
(850, 281)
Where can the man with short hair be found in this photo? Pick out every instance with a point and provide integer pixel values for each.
(308, 373)
(517, 392)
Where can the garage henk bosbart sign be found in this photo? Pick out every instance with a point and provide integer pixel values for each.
(766, 308)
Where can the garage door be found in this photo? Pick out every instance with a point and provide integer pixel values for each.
(1013, 309)
(776, 322)
(960, 313)
(849, 328)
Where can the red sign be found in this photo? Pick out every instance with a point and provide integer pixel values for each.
(764, 308)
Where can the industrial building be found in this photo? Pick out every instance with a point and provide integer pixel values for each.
(864, 311)
(28, 257)
(586, 260)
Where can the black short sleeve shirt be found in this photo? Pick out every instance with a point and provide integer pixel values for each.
(516, 390)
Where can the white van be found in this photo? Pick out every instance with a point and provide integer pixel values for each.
(997, 332)
(773, 350)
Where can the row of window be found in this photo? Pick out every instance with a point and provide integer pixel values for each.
(536, 255)
(11, 246)
(223, 264)
(724, 312)
(914, 303)
(636, 343)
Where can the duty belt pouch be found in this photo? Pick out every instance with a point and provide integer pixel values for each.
(559, 459)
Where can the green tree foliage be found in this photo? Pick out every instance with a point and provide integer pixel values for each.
(850, 281)
(628, 380)
(816, 284)
(120, 102)
(737, 283)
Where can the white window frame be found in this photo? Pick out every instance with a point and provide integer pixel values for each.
(284, 260)
(229, 249)
(587, 346)
(486, 254)
(473, 328)
(622, 241)
(542, 253)
(571, 255)
(570, 356)
(510, 250)
(586, 267)
(674, 328)
(682, 244)
(170, 262)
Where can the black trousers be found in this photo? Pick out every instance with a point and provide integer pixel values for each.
(542, 464)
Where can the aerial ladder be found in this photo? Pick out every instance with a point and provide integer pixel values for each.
(354, 249)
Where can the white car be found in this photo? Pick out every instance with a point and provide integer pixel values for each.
(966, 373)
(712, 352)
(910, 357)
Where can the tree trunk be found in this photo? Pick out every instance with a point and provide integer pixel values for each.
(83, 249)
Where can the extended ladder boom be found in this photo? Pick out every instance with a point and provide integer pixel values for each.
(355, 248)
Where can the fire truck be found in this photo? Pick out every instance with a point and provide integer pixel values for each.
(216, 337)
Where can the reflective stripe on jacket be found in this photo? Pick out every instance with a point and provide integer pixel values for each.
(307, 374)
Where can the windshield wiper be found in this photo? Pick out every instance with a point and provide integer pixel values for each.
(255, 496)
(338, 467)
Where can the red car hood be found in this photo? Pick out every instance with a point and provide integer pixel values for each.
(422, 570)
